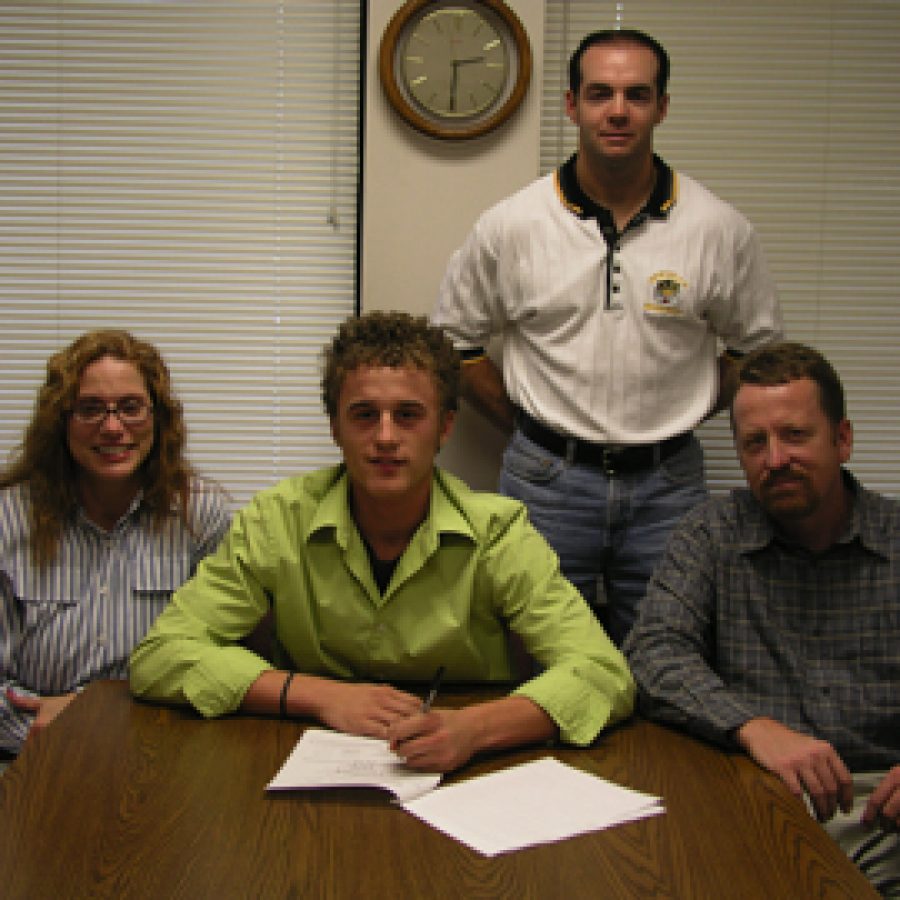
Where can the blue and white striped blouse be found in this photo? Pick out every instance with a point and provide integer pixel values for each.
(78, 619)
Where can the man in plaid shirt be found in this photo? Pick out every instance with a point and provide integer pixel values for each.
(772, 624)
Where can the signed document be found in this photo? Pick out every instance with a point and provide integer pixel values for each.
(534, 803)
(323, 759)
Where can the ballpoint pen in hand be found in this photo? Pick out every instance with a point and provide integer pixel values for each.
(433, 690)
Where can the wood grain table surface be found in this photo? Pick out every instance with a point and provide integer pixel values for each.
(125, 799)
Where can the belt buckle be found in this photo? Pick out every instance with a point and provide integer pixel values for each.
(607, 462)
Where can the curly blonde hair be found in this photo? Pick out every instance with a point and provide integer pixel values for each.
(44, 462)
(394, 340)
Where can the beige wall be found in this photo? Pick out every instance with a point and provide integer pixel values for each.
(421, 197)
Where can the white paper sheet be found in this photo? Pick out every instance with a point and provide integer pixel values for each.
(534, 803)
(323, 759)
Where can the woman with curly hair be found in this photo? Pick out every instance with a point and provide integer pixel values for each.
(101, 518)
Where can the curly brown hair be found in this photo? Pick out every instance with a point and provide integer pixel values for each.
(395, 340)
(44, 462)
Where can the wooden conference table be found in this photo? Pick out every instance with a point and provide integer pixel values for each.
(124, 799)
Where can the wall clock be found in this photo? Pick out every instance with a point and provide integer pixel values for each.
(455, 69)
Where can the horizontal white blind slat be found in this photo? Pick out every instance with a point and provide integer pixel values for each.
(188, 171)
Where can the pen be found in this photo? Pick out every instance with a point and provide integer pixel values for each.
(432, 691)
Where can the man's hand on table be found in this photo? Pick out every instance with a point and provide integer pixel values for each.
(445, 739)
(803, 763)
(436, 741)
(883, 808)
(370, 710)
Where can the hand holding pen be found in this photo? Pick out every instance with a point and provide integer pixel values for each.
(433, 689)
(436, 740)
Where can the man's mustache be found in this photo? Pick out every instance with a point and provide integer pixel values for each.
(780, 476)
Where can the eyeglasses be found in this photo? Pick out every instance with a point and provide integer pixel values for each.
(129, 410)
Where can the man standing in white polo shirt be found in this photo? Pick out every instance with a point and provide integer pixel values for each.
(613, 282)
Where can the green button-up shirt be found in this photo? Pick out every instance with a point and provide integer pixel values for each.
(474, 571)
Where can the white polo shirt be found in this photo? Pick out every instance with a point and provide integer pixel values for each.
(612, 343)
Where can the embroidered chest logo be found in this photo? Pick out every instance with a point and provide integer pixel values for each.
(666, 293)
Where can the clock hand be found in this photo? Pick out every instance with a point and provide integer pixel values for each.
(453, 82)
(456, 63)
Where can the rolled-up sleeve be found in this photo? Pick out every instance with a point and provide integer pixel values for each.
(190, 654)
(585, 684)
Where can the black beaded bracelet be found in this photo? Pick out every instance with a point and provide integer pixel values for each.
(282, 703)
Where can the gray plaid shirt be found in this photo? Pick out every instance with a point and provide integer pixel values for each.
(737, 623)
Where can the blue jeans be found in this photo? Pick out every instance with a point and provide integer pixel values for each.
(608, 531)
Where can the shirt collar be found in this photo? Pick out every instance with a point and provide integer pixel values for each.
(444, 517)
(864, 521)
(663, 198)
(333, 510)
(759, 530)
(132, 511)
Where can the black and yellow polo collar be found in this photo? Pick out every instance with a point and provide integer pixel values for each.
(661, 201)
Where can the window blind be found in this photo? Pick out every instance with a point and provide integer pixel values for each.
(188, 171)
(790, 111)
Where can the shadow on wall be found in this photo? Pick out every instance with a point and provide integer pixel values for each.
(474, 450)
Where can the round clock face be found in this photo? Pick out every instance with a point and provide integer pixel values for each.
(454, 63)
(455, 68)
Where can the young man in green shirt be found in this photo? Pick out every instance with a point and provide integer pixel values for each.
(381, 570)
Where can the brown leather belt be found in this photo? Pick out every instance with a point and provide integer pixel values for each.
(613, 460)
